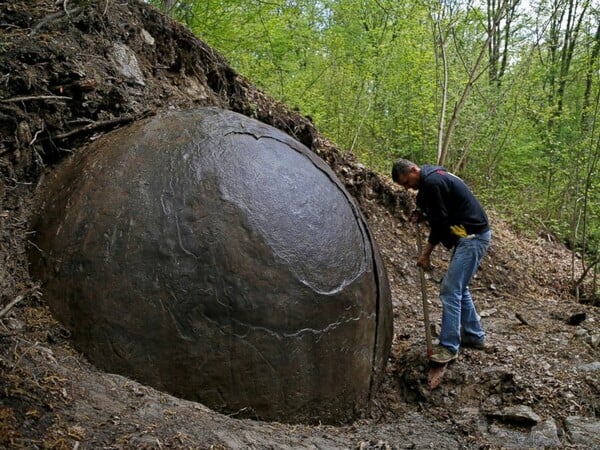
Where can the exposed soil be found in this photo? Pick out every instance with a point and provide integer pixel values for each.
(64, 81)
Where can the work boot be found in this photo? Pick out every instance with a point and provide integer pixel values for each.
(471, 342)
(442, 355)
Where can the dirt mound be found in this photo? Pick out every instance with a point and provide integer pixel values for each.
(74, 70)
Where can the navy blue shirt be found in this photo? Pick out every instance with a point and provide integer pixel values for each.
(446, 200)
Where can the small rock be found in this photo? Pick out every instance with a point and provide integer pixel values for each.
(593, 340)
(147, 37)
(545, 434)
(127, 63)
(580, 332)
(591, 367)
(488, 312)
(584, 431)
(492, 401)
(519, 414)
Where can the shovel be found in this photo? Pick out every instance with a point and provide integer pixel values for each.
(436, 372)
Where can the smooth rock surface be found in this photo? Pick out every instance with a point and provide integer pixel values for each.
(214, 257)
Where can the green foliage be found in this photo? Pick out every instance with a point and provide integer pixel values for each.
(370, 74)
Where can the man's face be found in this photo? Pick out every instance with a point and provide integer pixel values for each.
(410, 180)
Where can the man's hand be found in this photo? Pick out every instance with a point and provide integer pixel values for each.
(425, 262)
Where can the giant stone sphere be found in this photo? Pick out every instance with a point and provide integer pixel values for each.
(214, 257)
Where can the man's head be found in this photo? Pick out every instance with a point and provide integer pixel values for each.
(406, 173)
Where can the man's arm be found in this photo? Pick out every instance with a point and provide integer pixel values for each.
(437, 212)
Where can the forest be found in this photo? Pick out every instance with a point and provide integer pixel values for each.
(77, 74)
(505, 93)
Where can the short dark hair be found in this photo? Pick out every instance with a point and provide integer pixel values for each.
(401, 167)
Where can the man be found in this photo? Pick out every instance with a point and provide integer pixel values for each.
(458, 221)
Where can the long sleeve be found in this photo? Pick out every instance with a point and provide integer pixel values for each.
(438, 216)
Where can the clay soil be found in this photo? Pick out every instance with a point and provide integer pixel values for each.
(62, 85)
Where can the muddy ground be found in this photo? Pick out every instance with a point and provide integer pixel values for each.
(71, 71)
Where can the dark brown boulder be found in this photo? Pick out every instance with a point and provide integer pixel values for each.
(214, 257)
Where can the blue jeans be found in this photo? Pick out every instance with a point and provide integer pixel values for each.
(459, 317)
